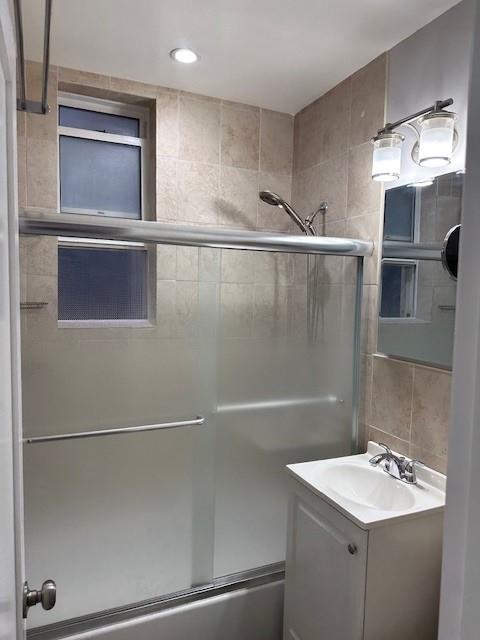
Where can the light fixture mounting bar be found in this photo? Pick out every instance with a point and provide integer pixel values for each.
(437, 106)
(32, 106)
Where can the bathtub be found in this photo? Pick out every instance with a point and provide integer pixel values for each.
(251, 612)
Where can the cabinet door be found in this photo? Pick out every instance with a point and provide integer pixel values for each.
(325, 578)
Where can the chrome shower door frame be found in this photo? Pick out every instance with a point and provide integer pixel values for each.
(85, 226)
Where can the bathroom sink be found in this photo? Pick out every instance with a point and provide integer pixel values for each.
(368, 495)
(365, 486)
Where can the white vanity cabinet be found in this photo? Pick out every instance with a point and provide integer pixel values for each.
(348, 582)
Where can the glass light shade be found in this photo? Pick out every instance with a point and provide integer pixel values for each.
(437, 133)
(387, 157)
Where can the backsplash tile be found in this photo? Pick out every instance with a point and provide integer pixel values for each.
(392, 397)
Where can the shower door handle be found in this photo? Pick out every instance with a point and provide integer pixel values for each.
(47, 595)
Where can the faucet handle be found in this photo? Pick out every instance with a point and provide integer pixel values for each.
(410, 470)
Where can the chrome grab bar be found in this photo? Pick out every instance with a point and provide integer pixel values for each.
(108, 432)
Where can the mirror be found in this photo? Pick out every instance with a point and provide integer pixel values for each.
(417, 294)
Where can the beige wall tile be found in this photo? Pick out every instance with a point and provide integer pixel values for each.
(236, 304)
(332, 186)
(39, 255)
(240, 137)
(167, 125)
(435, 462)
(42, 322)
(274, 268)
(368, 101)
(165, 308)
(326, 181)
(197, 96)
(135, 88)
(42, 173)
(209, 265)
(336, 117)
(186, 309)
(364, 194)
(297, 311)
(392, 397)
(41, 126)
(366, 379)
(431, 410)
(187, 263)
(238, 203)
(366, 228)
(166, 262)
(83, 78)
(199, 130)
(369, 312)
(237, 267)
(396, 444)
(308, 129)
(22, 171)
(270, 310)
(166, 189)
(276, 142)
(198, 185)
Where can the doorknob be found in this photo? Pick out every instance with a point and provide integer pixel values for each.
(47, 595)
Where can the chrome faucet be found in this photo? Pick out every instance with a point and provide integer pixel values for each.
(396, 466)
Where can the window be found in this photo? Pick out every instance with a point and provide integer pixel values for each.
(400, 214)
(399, 284)
(101, 167)
(101, 157)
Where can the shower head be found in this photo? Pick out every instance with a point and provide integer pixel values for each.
(271, 198)
(276, 201)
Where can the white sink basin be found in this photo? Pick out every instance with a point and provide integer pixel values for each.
(366, 494)
(365, 486)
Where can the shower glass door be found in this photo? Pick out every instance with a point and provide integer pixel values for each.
(261, 345)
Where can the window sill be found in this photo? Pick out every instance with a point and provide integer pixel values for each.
(104, 324)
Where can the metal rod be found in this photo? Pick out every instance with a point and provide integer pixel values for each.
(412, 250)
(88, 226)
(438, 106)
(109, 432)
(46, 54)
(20, 52)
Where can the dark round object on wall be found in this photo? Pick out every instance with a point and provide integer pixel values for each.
(450, 251)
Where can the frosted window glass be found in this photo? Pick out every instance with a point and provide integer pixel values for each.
(398, 290)
(102, 177)
(97, 121)
(399, 214)
(102, 284)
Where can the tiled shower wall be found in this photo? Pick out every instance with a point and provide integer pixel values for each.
(404, 405)
(209, 160)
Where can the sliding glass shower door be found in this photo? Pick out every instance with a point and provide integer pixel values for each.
(238, 362)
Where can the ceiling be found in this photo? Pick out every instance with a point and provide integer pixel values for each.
(277, 54)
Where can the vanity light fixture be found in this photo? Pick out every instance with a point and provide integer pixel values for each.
(421, 183)
(186, 56)
(436, 141)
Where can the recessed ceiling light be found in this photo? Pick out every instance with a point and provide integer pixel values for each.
(421, 183)
(187, 56)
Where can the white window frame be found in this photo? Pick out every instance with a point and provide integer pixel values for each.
(114, 108)
(121, 109)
